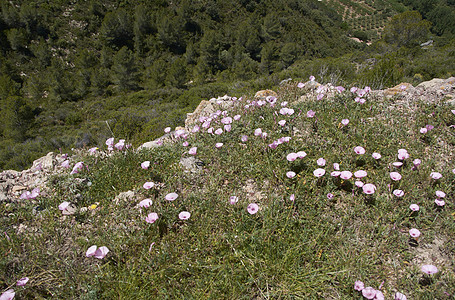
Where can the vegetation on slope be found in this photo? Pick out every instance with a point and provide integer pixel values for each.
(313, 233)
(74, 73)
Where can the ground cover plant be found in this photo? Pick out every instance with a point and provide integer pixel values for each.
(338, 194)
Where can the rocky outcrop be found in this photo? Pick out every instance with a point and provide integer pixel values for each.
(208, 107)
(14, 183)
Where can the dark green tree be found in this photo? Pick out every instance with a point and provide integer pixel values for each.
(17, 117)
(124, 70)
(117, 29)
(407, 29)
(176, 75)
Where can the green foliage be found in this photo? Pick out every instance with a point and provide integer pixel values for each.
(89, 53)
(124, 71)
(289, 249)
(407, 29)
(17, 117)
(117, 29)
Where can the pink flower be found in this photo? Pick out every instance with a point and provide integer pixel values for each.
(320, 96)
(361, 92)
(77, 167)
(440, 194)
(330, 196)
(233, 199)
(376, 155)
(345, 122)
(359, 183)
(237, 117)
(151, 218)
(252, 208)
(290, 174)
(91, 251)
(120, 145)
(416, 162)
(429, 269)
(218, 131)
(310, 114)
(321, 162)
(184, 215)
(219, 145)
(7, 295)
(167, 129)
(403, 154)
(319, 172)
(226, 120)
(335, 173)
(145, 165)
(264, 135)
(414, 207)
(398, 193)
(429, 127)
(64, 205)
(92, 150)
(397, 164)
(110, 142)
(345, 175)
(354, 89)
(312, 79)
(244, 138)
(291, 156)
(171, 196)
(185, 144)
(400, 296)
(300, 85)
(423, 130)
(282, 122)
(379, 295)
(395, 176)
(274, 145)
(415, 233)
(336, 166)
(145, 203)
(292, 197)
(100, 253)
(360, 173)
(179, 133)
(195, 129)
(369, 188)
(359, 286)
(439, 202)
(436, 175)
(193, 151)
(359, 150)
(301, 154)
(65, 164)
(340, 89)
(369, 292)
(148, 185)
(22, 282)
(258, 132)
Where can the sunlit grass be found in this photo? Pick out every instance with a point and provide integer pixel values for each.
(314, 246)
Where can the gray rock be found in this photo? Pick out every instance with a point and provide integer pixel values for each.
(191, 164)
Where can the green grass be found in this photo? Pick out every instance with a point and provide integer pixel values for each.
(310, 248)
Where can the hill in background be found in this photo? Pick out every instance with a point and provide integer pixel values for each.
(74, 73)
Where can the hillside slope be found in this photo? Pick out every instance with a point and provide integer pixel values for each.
(317, 192)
